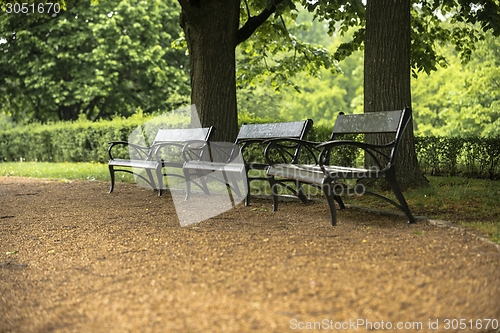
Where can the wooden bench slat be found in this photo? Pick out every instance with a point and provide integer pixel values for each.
(214, 166)
(315, 175)
(295, 129)
(373, 122)
(181, 134)
(134, 163)
(309, 174)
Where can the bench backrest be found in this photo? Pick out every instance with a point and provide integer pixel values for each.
(183, 134)
(391, 122)
(372, 122)
(256, 133)
(295, 129)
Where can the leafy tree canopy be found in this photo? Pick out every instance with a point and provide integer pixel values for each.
(461, 99)
(469, 22)
(112, 57)
(93, 59)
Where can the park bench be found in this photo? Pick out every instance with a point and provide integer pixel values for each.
(165, 151)
(320, 172)
(225, 158)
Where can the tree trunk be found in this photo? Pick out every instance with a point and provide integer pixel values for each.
(211, 28)
(69, 112)
(387, 77)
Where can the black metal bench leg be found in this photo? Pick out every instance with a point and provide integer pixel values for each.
(112, 175)
(159, 175)
(230, 178)
(401, 199)
(339, 201)
(247, 198)
(300, 192)
(152, 182)
(327, 189)
(188, 183)
(272, 184)
(228, 187)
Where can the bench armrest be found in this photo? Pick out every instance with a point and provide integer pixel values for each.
(246, 143)
(142, 151)
(370, 149)
(218, 152)
(196, 150)
(290, 151)
(225, 152)
(168, 152)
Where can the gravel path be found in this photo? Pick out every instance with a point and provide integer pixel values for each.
(74, 258)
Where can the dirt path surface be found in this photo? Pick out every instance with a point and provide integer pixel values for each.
(74, 258)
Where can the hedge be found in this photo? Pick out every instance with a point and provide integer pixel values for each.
(85, 141)
(472, 156)
(78, 141)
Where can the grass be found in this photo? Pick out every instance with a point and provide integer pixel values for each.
(84, 171)
(473, 203)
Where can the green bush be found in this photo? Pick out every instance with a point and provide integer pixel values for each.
(86, 141)
(77, 141)
(472, 156)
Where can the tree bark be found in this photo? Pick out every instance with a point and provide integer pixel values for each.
(387, 77)
(211, 28)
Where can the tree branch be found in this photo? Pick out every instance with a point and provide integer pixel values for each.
(254, 22)
(248, 9)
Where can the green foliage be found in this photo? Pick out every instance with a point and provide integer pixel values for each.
(274, 54)
(252, 118)
(468, 156)
(320, 96)
(93, 59)
(86, 141)
(6, 122)
(461, 99)
(465, 25)
(462, 23)
(64, 171)
(111, 57)
(76, 141)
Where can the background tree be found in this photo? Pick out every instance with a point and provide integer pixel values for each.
(92, 59)
(387, 77)
(387, 39)
(462, 98)
(276, 88)
(458, 98)
(428, 29)
(213, 29)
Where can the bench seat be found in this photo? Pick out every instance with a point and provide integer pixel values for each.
(151, 165)
(214, 166)
(306, 173)
(314, 174)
